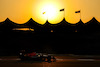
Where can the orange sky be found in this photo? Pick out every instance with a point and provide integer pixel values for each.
(20, 11)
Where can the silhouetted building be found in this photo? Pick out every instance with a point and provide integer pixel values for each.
(7, 25)
(93, 26)
(34, 25)
(48, 27)
(64, 27)
(80, 27)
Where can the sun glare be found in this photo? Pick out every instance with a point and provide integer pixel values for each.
(49, 12)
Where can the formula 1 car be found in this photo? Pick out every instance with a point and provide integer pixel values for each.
(33, 56)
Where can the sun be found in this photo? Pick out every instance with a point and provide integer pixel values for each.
(49, 12)
(48, 9)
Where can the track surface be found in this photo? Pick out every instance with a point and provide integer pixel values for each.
(62, 61)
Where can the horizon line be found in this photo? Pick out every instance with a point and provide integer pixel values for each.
(48, 21)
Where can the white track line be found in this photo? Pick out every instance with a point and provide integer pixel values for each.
(78, 59)
(10, 59)
(62, 59)
(86, 59)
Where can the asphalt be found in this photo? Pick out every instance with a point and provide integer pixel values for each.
(62, 61)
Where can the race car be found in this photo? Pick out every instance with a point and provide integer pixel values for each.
(36, 56)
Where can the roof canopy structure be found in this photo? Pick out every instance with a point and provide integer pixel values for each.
(80, 26)
(7, 25)
(92, 26)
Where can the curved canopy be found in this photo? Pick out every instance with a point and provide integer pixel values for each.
(32, 23)
(93, 21)
(8, 24)
(93, 25)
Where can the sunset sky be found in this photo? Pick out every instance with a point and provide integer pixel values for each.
(20, 11)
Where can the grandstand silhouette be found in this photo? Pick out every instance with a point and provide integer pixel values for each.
(63, 27)
(64, 37)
